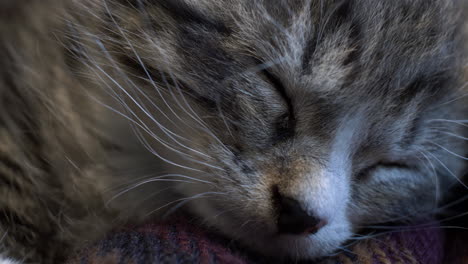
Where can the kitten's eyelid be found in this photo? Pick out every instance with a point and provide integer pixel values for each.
(366, 172)
(277, 84)
(281, 89)
(394, 164)
(286, 123)
(268, 76)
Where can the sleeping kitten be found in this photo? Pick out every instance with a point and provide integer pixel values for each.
(299, 121)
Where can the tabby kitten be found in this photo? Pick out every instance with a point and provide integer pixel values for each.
(301, 121)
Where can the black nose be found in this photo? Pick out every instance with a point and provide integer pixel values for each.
(293, 219)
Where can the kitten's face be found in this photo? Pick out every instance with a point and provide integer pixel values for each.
(290, 109)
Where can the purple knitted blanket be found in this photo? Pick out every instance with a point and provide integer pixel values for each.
(182, 241)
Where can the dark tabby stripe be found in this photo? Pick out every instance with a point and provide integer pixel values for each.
(181, 12)
(148, 73)
(9, 167)
(309, 51)
(10, 164)
(355, 41)
(341, 16)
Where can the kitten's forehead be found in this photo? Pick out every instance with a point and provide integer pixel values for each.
(335, 46)
(325, 45)
(329, 55)
(326, 54)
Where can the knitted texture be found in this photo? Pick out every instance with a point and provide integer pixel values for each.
(182, 241)
(177, 241)
(418, 244)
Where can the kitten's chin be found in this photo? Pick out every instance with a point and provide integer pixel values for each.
(296, 247)
(261, 238)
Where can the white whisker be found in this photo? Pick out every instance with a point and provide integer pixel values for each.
(445, 131)
(141, 124)
(145, 111)
(448, 170)
(434, 172)
(161, 178)
(458, 122)
(148, 75)
(200, 195)
(449, 151)
(455, 99)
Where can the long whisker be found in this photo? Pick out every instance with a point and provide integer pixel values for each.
(178, 206)
(141, 126)
(140, 61)
(434, 172)
(454, 135)
(458, 122)
(417, 227)
(161, 178)
(196, 196)
(199, 120)
(448, 170)
(164, 129)
(148, 146)
(462, 96)
(453, 203)
(449, 151)
(140, 123)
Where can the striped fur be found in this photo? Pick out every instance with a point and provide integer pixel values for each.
(355, 108)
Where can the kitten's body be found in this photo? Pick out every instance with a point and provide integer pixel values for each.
(340, 115)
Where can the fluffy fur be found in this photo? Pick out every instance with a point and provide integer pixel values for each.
(133, 108)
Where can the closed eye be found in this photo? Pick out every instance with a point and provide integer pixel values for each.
(279, 87)
(366, 172)
(285, 123)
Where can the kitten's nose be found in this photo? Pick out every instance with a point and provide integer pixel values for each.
(295, 220)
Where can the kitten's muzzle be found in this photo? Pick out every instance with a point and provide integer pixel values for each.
(293, 219)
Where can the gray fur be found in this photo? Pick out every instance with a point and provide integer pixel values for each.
(349, 107)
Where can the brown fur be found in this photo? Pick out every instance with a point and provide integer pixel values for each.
(315, 99)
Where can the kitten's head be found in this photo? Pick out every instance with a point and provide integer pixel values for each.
(299, 122)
